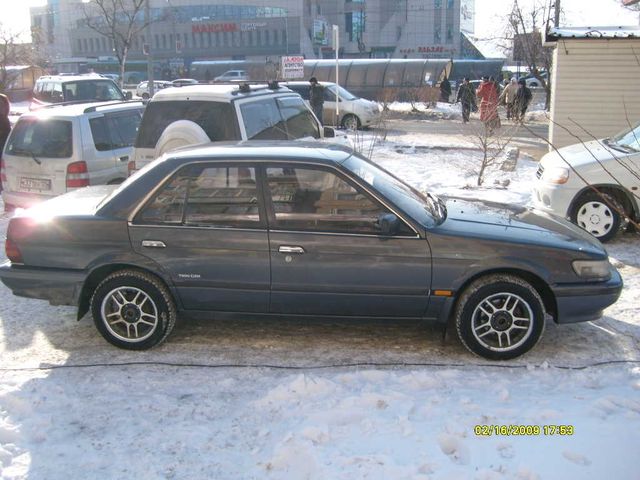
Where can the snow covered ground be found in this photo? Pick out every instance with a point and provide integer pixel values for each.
(317, 399)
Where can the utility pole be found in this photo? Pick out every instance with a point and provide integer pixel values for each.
(336, 45)
(557, 14)
(150, 84)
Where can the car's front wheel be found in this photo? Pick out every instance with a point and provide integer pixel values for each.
(133, 310)
(145, 96)
(499, 317)
(597, 215)
(351, 122)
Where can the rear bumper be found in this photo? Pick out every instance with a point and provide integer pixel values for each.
(584, 302)
(23, 200)
(58, 286)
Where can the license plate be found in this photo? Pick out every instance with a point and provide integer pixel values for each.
(34, 184)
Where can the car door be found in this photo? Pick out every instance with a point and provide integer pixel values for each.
(327, 255)
(207, 229)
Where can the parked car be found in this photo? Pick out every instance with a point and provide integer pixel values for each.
(592, 183)
(232, 76)
(298, 229)
(57, 149)
(142, 90)
(52, 89)
(181, 82)
(355, 112)
(179, 117)
(113, 76)
(533, 82)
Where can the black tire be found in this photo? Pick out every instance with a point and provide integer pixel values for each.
(597, 216)
(145, 96)
(351, 122)
(133, 310)
(499, 317)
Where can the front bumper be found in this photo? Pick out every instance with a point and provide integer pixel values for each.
(583, 302)
(58, 286)
(554, 199)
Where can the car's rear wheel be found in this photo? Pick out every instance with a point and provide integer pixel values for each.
(145, 96)
(499, 317)
(351, 122)
(597, 215)
(133, 310)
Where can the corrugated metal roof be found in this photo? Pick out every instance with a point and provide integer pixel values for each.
(593, 32)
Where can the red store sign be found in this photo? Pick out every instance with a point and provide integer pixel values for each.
(429, 49)
(214, 27)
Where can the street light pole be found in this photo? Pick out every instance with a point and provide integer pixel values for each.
(150, 84)
(336, 45)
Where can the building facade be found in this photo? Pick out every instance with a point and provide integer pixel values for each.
(186, 30)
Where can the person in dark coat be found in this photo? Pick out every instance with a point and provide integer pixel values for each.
(521, 100)
(5, 124)
(467, 98)
(445, 90)
(316, 98)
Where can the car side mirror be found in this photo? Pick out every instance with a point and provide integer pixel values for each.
(388, 224)
(329, 132)
(127, 95)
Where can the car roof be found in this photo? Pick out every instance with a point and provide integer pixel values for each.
(317, 152)
(223, 92)
(76, 109)
(72, 78)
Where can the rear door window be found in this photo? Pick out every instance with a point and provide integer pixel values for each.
(217, 119)
(41, 138)
(123, 128)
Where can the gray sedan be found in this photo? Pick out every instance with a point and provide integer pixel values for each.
(297, 230)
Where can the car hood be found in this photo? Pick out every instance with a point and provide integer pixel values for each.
(514, 224)
(580, 154)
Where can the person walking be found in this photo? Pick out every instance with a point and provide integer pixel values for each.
(508, 96)
(445, 90)
(488, 95)
(5, 124)
(521, 100)
(467, 98)
(316, 98)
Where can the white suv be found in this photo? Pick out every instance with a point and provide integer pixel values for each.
(178, 117)
(59, 148)
(595, 184)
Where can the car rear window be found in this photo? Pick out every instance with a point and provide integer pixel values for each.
(217, 119)
(41, 138)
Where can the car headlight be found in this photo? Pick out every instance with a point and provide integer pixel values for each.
(592, 269)
(558, 175)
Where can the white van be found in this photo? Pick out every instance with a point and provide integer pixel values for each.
(60, 148)
(596, 185)
(355, 112)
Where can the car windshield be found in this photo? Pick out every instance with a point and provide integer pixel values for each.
(427, 209)
(629, 139)
(343, 93)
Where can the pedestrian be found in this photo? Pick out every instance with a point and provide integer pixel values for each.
(316, 98)
(488, 94)
(508, 96)
(521, 100)
(467, 98)
(445, 90)
(5, 124)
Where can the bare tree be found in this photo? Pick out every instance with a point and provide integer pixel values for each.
(12, 52)
(119, 21)
(525, 27)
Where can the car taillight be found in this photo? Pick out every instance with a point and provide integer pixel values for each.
(12, 251)
(131, 167)
(77, 175)
(3, 173)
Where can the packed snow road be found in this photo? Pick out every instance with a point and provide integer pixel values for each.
(319, 399)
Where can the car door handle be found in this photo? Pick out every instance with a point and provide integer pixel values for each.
(125, 158)
(290, 249)
(153, 244)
